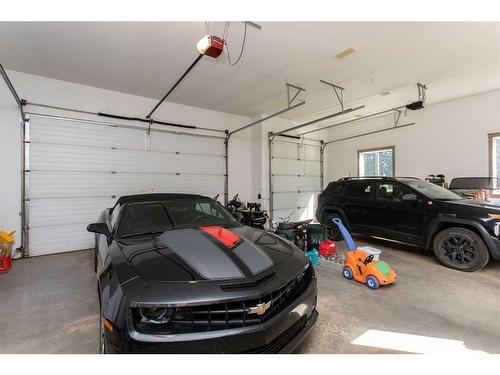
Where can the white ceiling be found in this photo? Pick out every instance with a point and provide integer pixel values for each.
(147, 58)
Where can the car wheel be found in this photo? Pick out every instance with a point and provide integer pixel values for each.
(332, 231)
(461, 249)
(102, 335)
(347, 273)
(372, 282)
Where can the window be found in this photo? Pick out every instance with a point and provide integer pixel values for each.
(142, 218)
(392, 192)
(376, 162)
(494, 141)
(359, 189)
(430, 190)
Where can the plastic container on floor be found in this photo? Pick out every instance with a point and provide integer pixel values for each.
(371, 251)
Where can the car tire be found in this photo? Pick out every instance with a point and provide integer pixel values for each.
(332, 231)
(461, 249)
(347, 272)
(372, 282)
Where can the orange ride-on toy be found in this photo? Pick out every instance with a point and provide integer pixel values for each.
(362, 266)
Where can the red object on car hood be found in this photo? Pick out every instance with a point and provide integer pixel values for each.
(327, 248)
(224, 236)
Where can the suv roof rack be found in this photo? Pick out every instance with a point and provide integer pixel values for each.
(376, 178)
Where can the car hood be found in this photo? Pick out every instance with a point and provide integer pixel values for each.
(192, 255)
(490, 206)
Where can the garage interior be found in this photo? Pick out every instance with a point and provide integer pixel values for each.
(85, 119)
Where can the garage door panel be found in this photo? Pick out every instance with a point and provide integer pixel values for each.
(285, 183)
(59, 239)
(286, 166)
(311, 153)
(69, 211)
(286, 150)
(186, 144)
(69, 158)
(64, 132)
(296, 168)
(78, 169)
(311, 168)
(285, 200)
(68, 184)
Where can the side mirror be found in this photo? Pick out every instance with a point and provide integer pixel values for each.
(410, 197)
(100, 228)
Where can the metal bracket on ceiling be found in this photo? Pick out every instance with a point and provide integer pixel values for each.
(339, 92)
(397, 115)
(297, 92)
(421, 91)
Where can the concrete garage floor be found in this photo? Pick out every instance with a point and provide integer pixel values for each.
(49, 305)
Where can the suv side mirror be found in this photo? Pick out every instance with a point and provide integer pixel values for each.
(410, 197)
(100, 228)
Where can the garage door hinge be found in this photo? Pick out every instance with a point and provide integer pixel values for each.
(26, 171)
(177, 152)
(113, 172)
(113, 196)
(177, 174)
(26, 142)
(113, 148)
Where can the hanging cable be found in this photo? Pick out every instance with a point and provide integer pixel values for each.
(242, 45)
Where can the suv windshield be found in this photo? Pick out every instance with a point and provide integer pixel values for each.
(430, 190)
(158, 217)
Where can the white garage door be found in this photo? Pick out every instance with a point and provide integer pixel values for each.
(77, 169)
(296, 178)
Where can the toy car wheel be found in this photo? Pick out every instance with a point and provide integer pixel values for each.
(372, 282)
(347, 273)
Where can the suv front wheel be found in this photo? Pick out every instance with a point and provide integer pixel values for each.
(460, 249)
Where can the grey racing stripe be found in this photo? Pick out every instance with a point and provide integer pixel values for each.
(200, 253)
(254, 258)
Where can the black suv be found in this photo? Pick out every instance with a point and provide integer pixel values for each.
(463, 233)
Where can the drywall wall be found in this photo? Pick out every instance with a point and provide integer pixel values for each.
(10, 152)
(450, 137)
(65, 94)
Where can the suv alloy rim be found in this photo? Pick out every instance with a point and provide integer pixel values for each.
(459, 250)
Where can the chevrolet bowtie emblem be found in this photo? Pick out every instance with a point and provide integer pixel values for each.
(260, 309)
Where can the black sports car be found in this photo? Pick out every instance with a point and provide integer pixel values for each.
(178, 274)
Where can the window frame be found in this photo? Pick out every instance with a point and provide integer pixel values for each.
(384, 148)
(491, 137)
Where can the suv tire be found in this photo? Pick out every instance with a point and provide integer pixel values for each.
(461, 249)
(332, 231)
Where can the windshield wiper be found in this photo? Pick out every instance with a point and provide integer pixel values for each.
(152, 233)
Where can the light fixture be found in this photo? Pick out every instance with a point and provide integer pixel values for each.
(345, 52)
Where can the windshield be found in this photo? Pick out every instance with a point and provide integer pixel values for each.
(158, 217)
(431, 190)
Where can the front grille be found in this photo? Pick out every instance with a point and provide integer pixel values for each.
(222, 316)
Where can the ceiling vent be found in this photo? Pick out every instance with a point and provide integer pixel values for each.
(345, 52)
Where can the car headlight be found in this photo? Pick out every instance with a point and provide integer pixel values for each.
(300, 277)
(155, 315)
